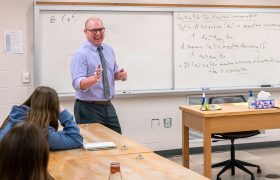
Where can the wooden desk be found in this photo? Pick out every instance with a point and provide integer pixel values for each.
(152, 166)
(96, 132)
(82, 164)
(233, 117)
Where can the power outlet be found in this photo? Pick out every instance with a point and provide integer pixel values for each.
(155, 123)
(167, 122)
(25, 77)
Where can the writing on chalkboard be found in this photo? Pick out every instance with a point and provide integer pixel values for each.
(231, 45)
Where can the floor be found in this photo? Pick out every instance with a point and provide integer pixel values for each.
(268, 159)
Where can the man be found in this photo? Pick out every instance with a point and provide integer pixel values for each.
(94, 71)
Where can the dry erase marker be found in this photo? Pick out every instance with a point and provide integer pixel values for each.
(266, 85)
(126, 92)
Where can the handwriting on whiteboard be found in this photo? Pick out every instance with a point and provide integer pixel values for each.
(226, 43)
(65, 18)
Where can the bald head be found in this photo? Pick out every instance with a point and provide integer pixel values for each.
(92, 19)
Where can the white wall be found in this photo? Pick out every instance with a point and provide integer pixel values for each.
(135, 113)
(15, 15)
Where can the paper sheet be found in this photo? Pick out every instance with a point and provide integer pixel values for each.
(13, 43)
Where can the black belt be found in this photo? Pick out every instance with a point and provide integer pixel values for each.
(96, 102)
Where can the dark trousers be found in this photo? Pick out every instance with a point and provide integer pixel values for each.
(87, 112)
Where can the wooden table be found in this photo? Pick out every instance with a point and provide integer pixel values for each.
(150, 166)
(96, 132)
(137, 161)
(233, 117)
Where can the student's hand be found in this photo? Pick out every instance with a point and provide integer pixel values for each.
(61, 108)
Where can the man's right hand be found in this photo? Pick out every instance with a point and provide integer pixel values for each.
(98, 73)
(93, 79)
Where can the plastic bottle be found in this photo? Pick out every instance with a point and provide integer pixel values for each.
(115, 171)
(251, 101)
(203, 102)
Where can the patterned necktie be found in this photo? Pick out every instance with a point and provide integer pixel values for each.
(106, 87)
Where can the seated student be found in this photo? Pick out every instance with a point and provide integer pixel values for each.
(24, 153)
(42, 109)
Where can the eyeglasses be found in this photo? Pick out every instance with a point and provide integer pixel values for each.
(94, 31)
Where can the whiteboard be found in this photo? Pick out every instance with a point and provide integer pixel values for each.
(226, 50)
(142, 41)
(165, 49)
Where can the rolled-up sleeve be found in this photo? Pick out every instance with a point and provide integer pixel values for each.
(79, 69)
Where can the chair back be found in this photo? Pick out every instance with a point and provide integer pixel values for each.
(231, 135)
(226, 99)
